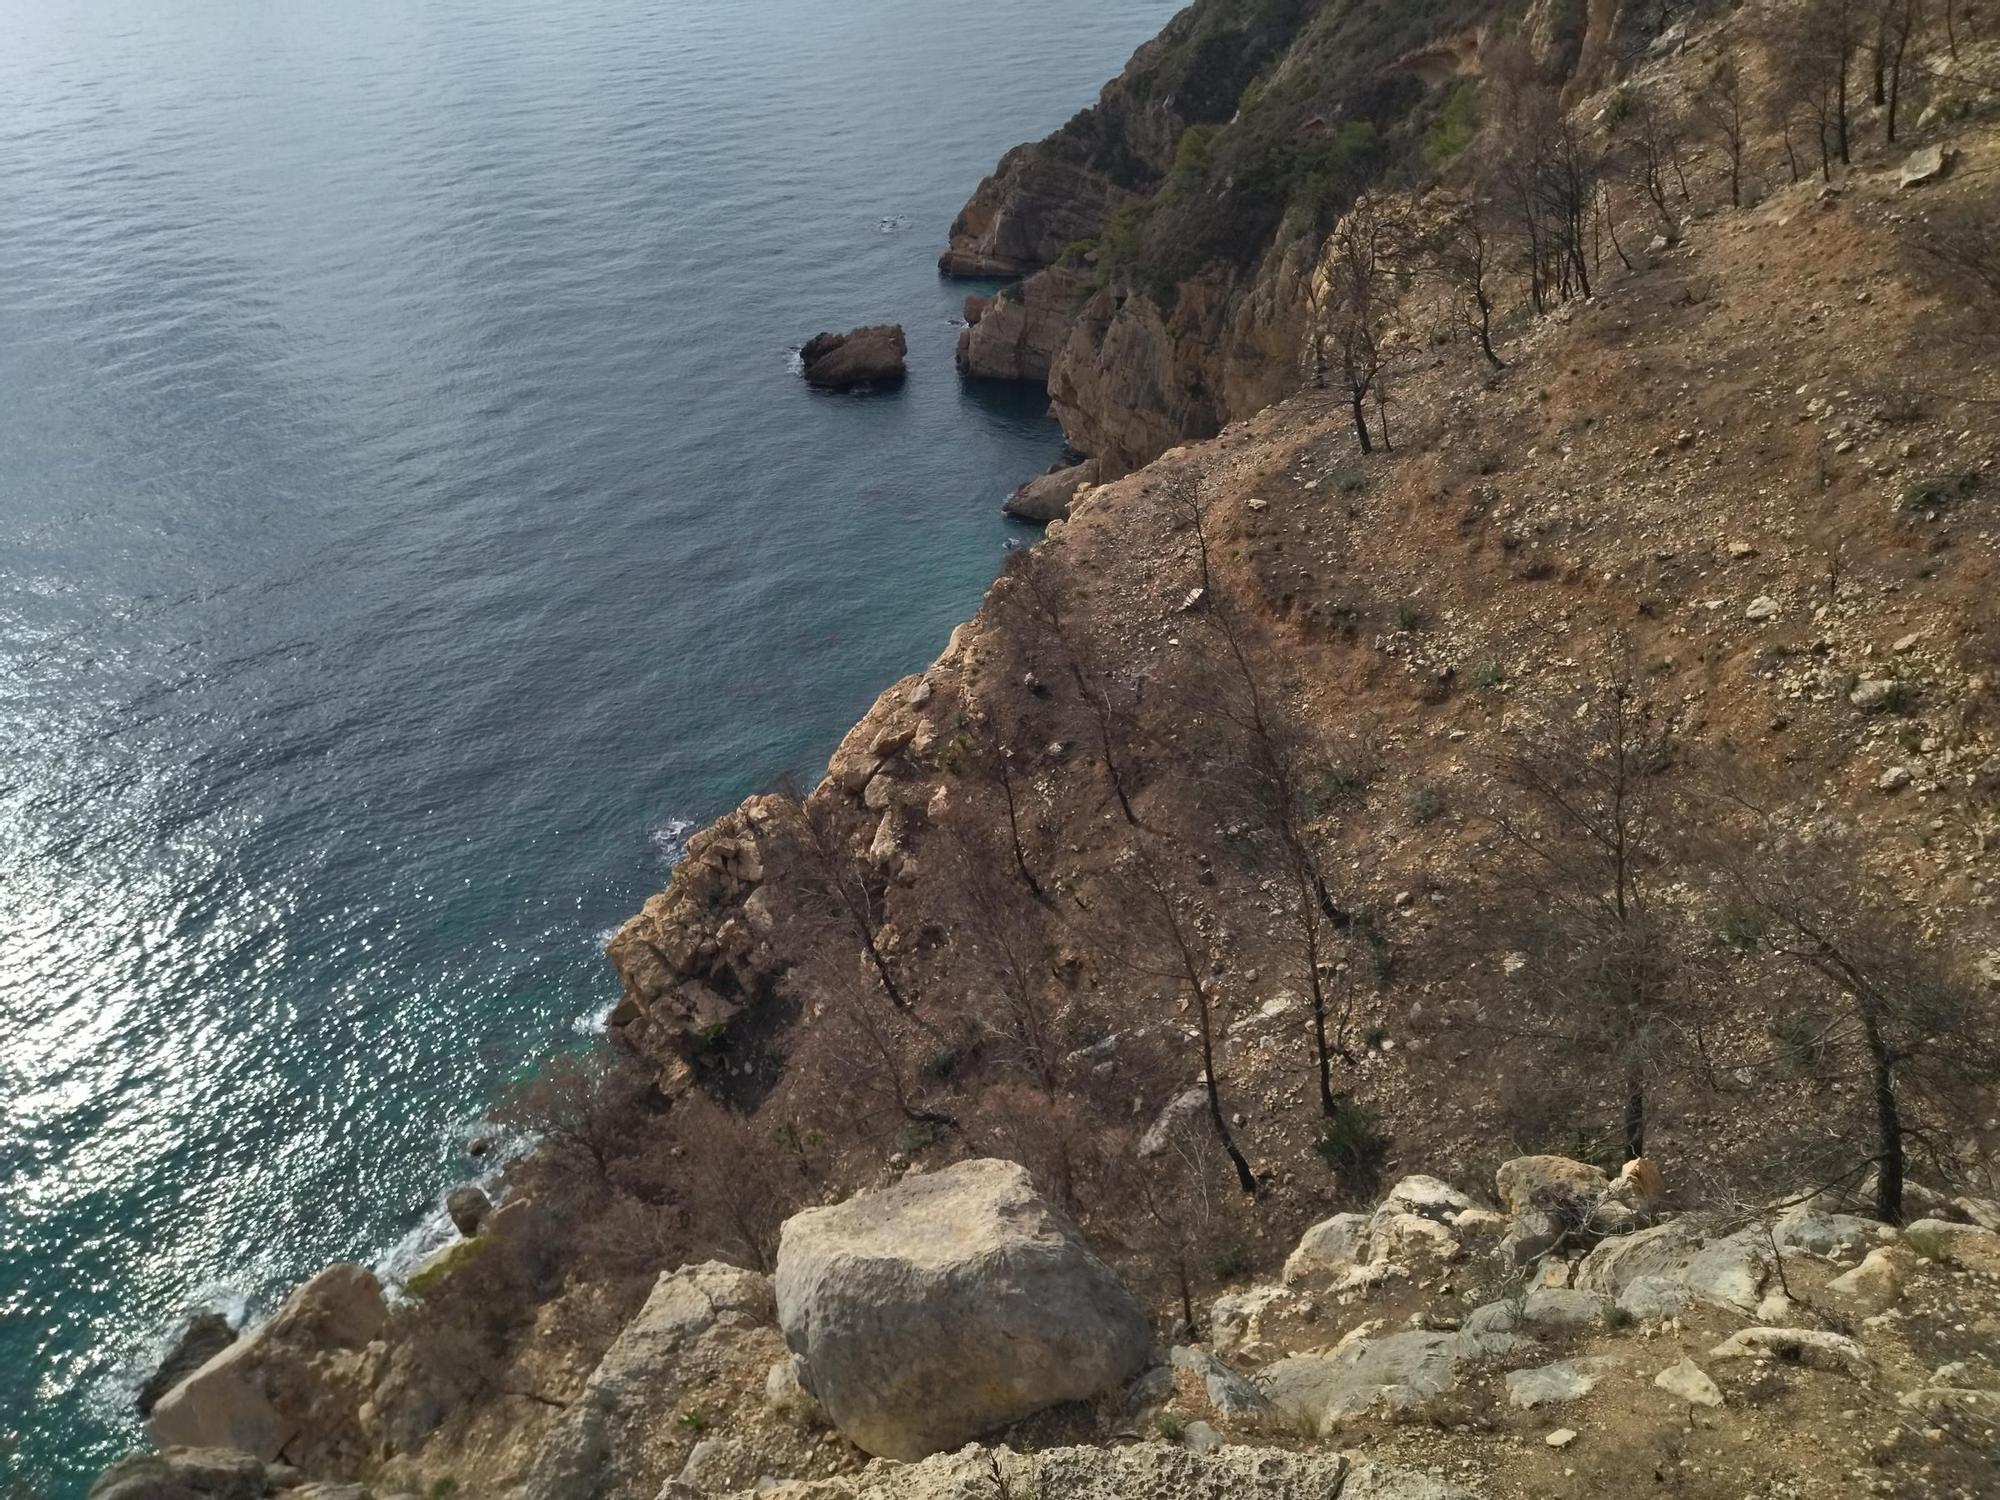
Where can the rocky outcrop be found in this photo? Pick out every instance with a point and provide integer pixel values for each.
(1048, 497)
(1148, 1472)
(294, 1386)
(870, 356)
(700, 1324)
(948, 1306)
(468, 1207)
(1027, 213)
(206, 1336)
(1015, 335)
(183, 1474)
(699, 952)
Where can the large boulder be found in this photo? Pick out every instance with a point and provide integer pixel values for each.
(1397, 1372)
(1047, 498)
(183, 1474)
(867, 356)
(948, 1306)
(293, 1385)
(703, 1328)
(1555, 1184)
(206, 1335)
(468, 1207)
(1143, 1471)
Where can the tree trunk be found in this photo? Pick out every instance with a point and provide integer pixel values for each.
(1840, 116)
(1326, 1102)
(1888, 1123)
(1359, 396)
(1245, 1178)
(1484, 327)
(1635, 1113)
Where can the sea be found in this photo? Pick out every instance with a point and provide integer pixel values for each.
(412, 525)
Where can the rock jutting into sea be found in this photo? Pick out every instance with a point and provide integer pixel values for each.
(875, 355)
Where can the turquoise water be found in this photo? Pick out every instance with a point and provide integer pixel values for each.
(410, 518)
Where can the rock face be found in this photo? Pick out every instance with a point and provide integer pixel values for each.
(698, 953)
(297, 1379)
(184, 1474)
(1025, 214)
(206, 1336)
(1016, 334)
(468, 1207)
(699, 1324)
(948, 1306)
(1148, 1471)
(1048, 498)
(875, 355)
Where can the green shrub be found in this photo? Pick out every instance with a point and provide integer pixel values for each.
(1454, 128)
(1803, 1036)
(1940, 491)
(1427, 802)
(1353, 1146)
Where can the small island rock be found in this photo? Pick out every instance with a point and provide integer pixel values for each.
(867, 356)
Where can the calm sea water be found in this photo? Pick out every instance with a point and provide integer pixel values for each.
(409, 520)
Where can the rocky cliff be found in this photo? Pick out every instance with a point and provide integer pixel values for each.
(1246, 852)
(1165, 236)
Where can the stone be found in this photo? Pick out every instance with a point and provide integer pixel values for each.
(1139, 1471)
(1927, 165)
(1548, 1182)
(1200, 1437)
(866, 357)
(183, 1474)
(784, 1396)
(1895, 779)
(1237, 1319)
(1397, 1372)
(259, 1392)
(1687, 1381)
(1731, 1272)
(1814, 1347)
(1231, 1394)
(1328, 1248)
(1654, 1299)
(696, 1321)
(1826, 1234)
(1534, 1233)
(1427, 1198)
(1871, 1287)
(206, 1335)
(468, 1207)
(1048, 497)
(1662, 1251)
(1872, 693)
(1557, 1384)
(1181, 1109)
(1408, 1239)
(947, 1306)
(1966, 1246)
(1763, 607)
(1562, 1437)
(1565, 1307)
